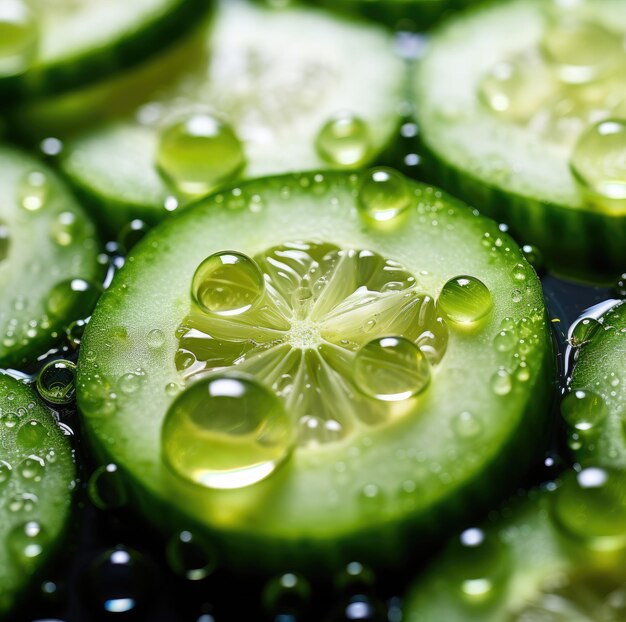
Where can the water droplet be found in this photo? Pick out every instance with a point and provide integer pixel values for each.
(106, 488)
(32, 468)
(155, 339)
(131, 233)
(31, 435)
(344, 141)
(67, 229)
(26, 543)
(620, 286)
(584, 330)
(391, 369)
(505, 341)
(5, 473)
(583, 410)
(227, 431)
(33, 191)
(75, 332)
(501, 382)
(198, 153)
(599, 165)
(227, 283)
(191, 556)
(465, 299)
(129, 383)
(534, 257)
(467, 425)
(590, 507)
(19, 37)
(384, 194)
(56, 382)
(74, 298)
(519, 272)
(286, 595)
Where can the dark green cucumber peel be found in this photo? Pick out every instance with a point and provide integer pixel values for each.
(47, 240)
(54, 71)
(105, 164)
(577, 240)
(37, 477)
(304, 516)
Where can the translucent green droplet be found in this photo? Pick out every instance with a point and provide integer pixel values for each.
(226, 431)
(105, 488)
(33, 191)
(5, 473)
(56, 382)
(26, 542)
(191, 556)
(584, 410)
(584, 330)
(590, 507)
(465, 299)
(31, 435)
(582, 51)
(384, 194)
(67, 229)
(19, 37)
(599, 165)
(75, 298)
(344, 141)
(198, 153)
(286, 596)
(131, 233)
(227, 283)
(32, 468)
(391, 369)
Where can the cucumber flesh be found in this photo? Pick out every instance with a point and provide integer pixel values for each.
(37, 477)
(396, 469)
(49, 47)
(275, 103)
(502, 132)
(48, 258)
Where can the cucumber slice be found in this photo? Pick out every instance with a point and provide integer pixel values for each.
(358, 444)
(526, 567)
(595, 407)
(275, 103)
(37, 474)
(49, 47)
(48, 256)
(524, 81)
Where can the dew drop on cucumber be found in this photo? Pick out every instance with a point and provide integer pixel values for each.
(598, 164)
(227, 283)
(67, 229)
(32, 468)
(33, 190)
(286, 596)
(384, 195)
(226, 431)
(5, 473)
(19, 37)
(106, 489)
(73, 298)
(191, 556)
(26, 542)
(583, 331)
(56, 382)
(391, 369)
(344, 141)
(465, 299)
(198, 153)
(31, 434)
(583, 410)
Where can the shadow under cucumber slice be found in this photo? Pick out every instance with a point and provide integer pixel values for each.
(275, 78)
(48, 255)
(502, 130)
(37, 474)
(366, 463)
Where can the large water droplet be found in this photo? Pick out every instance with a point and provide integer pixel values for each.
(198, 153)
(74, 298)
(19, 37)
(465, 299)
(31, 435)
(583, 331)
(56, 382)
(227, 283)
(583, 410)
(391, 369)
(384, 194)
(26, 543)
(226, 432)
(344, 141)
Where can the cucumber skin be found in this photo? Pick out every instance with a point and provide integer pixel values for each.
(127, 51)
(591, 245)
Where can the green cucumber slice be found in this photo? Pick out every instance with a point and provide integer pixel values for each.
(37, 477)
(525, 567)
(275, 103)
(594, 409)
(501, 128)
(398, 469)
(49, 47)
(48, 258)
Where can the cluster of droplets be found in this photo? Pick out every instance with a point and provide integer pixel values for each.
(571, 90)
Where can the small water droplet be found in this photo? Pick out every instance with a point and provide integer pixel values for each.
(501, 382)
(106, 489)
(56, 382)
(155, 339)
(131, 233)
(465, 299)
(33, 191)
(26, 543)
(467, 425)
(384, 194)
(583, 410)
(286, 596)
(191, 556)
(344, 141)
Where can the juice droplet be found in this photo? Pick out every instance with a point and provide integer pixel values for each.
(5, 241)
(191, 556)
(344, 141)
(26, 542)
(465, 299)
(384, 194)
(583, 331)
(226, 431)
(599, 165)
(198, 153)
(105, 488)
(33, 191)
(590, 507)
(56, 382)
(582, 51)
(481, 566)
(227, 283)
(74, 298)
(19, 37)
(583, 410)
(391, 369)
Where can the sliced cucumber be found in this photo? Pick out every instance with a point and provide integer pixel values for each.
(595, 406)
(48, 47)
(526, 566)
(524, 82)
(37, 474)
(428, 436)
(275, 103)
(48, 256)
